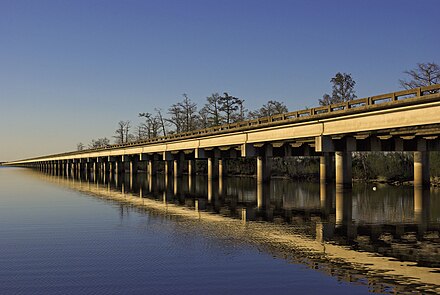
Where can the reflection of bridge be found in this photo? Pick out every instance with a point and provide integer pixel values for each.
(312, 236)
(400, 121)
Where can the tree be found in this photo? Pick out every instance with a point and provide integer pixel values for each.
(150, 128)
(176, 117)
(122, 132)
(189, 110)
(342, 90)
(272, 107)
(161, 121)
(232, 107)
(99, 143)
(211, 111)
(424, 75)
(80, 146)
(183, 115)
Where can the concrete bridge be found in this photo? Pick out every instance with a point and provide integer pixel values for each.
(400, 121)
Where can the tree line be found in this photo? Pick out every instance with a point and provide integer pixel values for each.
(185, 115)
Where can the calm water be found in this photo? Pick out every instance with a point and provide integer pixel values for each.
(122, 235)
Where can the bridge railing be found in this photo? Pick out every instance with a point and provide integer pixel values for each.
(279, 119)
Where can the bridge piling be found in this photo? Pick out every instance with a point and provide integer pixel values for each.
(421, 169)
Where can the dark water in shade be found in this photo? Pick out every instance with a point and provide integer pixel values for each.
(122, 235)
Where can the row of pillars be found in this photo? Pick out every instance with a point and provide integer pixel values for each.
(333, 165)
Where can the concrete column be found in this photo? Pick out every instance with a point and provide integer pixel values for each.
(421, 169)
(343, 169)
(151, 167)
(117, 167)
(191, 167)
(212, 172)
(177, 168)
(263, 169)
(133, 166)
(220, 168)
(325, 168)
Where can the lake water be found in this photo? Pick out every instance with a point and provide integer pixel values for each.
(141, 235)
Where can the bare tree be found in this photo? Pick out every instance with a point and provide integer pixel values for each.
(99, 143)
(162, 121)
(211, 111)
(176, 117)
(342, 89)
(150, 128)
(232, 107)
(424, 75)
(272, 107)
(189, 110)
(122, 132)
(80, 146)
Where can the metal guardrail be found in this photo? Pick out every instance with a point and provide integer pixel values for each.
(279, 119)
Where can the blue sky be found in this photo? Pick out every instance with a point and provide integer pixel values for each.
(70, 70)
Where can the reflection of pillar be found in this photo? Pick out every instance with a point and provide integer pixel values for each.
(343, 206)
(343, 169)
(421, 205)
(220, 187)
(175, 186)
(421, 169)
(150, 182)
(220, 168)
(325, 167)
(259, 194)
(209, 190)
(326, 198)
(190, 182)
(243, 215)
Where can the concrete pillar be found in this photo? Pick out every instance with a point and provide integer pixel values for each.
(421, 169)
(117, 167)
(343, 169)
(263, 169)
(325, 168)
(191, 167)
(212, 172)
(220, 168)
(151, 167)
(133, 166)
(177, 168)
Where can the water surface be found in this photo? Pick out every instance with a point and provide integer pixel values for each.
(138, 235)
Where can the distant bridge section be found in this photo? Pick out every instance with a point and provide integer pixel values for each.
(399, 121)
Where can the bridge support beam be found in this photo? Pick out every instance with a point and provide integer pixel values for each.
(151, 167)
(326, 167)
(212, 171)
(191, 167)
(343, 162)
(421, 169)
(133, 165)
(264, 163)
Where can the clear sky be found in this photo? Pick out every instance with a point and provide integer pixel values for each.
(70, 70)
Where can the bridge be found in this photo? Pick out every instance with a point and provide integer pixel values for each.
(406, 120)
